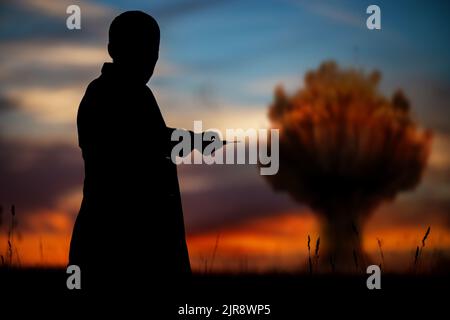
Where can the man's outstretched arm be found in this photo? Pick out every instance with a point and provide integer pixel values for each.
(193, 137)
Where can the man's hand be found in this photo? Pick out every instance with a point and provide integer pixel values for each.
(210, 141)
(205, 142)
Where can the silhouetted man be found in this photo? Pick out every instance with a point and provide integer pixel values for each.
(130, 225)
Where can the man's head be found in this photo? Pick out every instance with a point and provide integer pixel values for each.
(134, 43)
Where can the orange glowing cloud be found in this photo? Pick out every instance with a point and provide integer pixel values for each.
(263, 244)
(280, 243)
(44, 242)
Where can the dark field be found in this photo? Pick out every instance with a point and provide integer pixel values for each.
(287, 294)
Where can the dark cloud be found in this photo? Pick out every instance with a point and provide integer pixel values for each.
(433, 95)
(51, 76)
(34, 177)
(6, 104)
(19, 22)
(229, 195)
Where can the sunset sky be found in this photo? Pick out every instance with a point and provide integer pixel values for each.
(220, 61)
